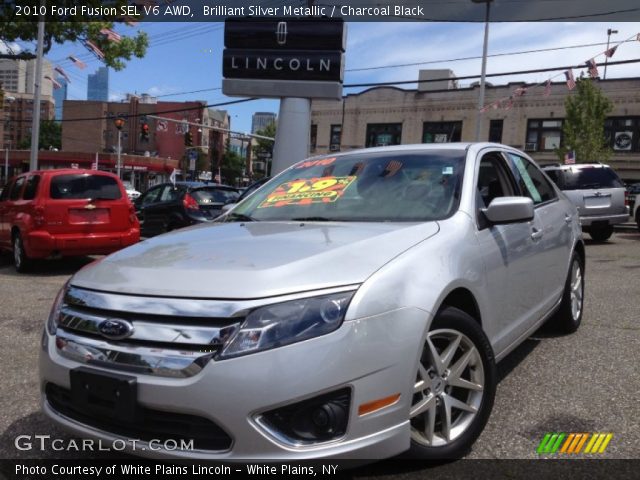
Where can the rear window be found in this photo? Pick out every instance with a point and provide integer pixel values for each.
(587, 178)
(206, 196)
(80, 186)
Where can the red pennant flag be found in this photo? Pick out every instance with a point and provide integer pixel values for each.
(110, 35)
(520, 91)
(55, 83)
(129, 21)
(78, 63)
(63, 73)
(91, 46)
(593, 68)
(509, 104)
(547, 88)
(571, 82)
(609, 53)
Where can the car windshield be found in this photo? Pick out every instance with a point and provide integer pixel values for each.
(586, 178)
(378, 187)
(80, 186)
(208, 195)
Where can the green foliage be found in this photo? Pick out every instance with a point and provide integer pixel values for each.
(50, 136)
(75, 28)
(232, 168)
(262, 146)
(583, 127)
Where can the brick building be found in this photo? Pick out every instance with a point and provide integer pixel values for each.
(390, 115)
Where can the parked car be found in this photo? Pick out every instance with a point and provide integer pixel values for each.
(246, 192)
(67, 212)
(636, 213)
(597, 192)
(167, 207)
(354, 307)
(132, 193)
(632, 192)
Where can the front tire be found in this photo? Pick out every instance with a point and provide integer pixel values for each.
(601, 234)
(20, 259)
(569, 315)
(454, 389)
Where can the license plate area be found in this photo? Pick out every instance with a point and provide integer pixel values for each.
(105, 394)
(88, 216)
(600, 201)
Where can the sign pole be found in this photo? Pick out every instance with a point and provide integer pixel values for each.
(292, 135)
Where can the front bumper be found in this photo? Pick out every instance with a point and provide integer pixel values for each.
(375, 357)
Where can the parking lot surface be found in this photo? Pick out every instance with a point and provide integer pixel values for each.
(585, 382)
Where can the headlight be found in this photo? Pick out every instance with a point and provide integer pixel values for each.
(52, 322)
(284, 323)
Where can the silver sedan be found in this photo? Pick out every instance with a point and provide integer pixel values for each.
(355, 306)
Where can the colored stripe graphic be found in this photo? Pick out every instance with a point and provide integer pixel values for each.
(572, 443)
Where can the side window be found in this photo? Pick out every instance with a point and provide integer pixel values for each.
(494, 179)
(151, 196)
(169, 194)
(17, 188)
(531, 180)
(31, 188)
(5, 191)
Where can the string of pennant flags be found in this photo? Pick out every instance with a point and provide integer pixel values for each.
(508, 102)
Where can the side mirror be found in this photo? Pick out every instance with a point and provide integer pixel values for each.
(509, 210)
(228, 206)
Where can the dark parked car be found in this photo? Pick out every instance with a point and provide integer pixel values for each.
(65, 212)
(167, 207)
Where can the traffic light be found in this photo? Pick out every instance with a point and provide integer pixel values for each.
(188, 139)
(144, 131)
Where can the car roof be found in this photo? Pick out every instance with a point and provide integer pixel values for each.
(67, 171)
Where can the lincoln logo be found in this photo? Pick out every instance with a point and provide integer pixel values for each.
(281, 33)
(115, 328)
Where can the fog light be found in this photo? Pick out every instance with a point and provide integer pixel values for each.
(319, 419)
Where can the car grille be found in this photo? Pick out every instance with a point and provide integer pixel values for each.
(147, 425)
(167, 345)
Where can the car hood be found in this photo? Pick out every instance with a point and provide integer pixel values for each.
(253, 259)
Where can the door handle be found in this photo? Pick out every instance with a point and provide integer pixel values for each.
(567, 219)
(536, 234)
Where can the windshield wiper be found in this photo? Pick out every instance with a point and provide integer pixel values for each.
(313, 219)
(239, 217)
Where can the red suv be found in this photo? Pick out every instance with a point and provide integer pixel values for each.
(53, 213)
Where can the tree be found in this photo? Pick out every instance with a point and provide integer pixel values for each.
(583, 127)
(82, 24)
(233, 166)
(50, 136)
(263, 149)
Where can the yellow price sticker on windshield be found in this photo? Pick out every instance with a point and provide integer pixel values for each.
(306, 191)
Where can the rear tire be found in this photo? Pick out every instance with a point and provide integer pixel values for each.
(21, 261)
(601, 234)
(454, 389)
(569, 316)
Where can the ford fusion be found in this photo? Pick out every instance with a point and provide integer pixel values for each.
(354, 306)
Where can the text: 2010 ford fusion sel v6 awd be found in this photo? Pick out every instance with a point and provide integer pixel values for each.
(353, 307)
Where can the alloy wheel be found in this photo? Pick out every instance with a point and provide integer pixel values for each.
(576, 290)
(448, 390)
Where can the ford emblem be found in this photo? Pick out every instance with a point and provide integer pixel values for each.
(115, 328)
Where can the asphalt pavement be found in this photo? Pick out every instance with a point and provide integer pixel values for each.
(585, 382)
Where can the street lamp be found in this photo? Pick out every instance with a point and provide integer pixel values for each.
(119, 123)
(484, 67)
(606, 57)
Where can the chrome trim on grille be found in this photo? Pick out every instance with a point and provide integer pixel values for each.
(161, 362)
(83, 322)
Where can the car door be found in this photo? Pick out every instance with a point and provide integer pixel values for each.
(168, 210)
(145, 211)
(510, 253)
(556, 217)
(5, 228)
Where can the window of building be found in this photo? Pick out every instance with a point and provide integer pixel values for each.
(441, 132)
(622, 134)
(313, 137)
(543, 135)
(383, 134)
(495, 131)
(335, 136)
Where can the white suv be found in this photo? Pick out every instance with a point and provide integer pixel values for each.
(598, 194)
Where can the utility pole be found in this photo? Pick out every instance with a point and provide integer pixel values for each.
(484, 67)
(35, 126)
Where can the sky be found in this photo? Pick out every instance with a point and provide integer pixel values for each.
(185, 57)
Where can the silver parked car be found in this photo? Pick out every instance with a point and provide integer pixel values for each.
(597, 192)
(353, 307)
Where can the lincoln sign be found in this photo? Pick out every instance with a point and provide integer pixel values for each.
(284, 58)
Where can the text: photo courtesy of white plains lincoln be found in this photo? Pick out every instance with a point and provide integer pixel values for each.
(354, 307)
